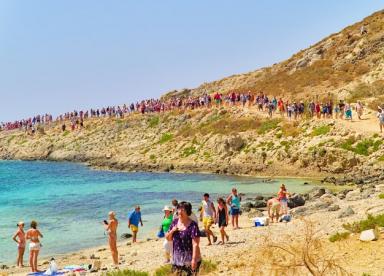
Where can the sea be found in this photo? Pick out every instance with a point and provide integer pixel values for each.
(70, 201)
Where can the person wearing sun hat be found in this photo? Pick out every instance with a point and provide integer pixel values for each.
(166, 223)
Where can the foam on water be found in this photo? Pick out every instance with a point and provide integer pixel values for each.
(70, 200)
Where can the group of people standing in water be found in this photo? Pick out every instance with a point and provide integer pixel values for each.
(179, 228)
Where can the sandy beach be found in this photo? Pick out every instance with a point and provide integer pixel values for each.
(243, 254)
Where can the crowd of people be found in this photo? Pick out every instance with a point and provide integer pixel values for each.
(179, 228)
(292, 109)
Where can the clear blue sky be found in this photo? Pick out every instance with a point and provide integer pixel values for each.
(57, 56)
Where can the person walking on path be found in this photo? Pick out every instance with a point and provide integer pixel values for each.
(134, 218)
(233, 200)
(20, 235)
(380, 116)
(34, 245)
(185, 235)
(222, 218)
(111, 228)
(209, 217)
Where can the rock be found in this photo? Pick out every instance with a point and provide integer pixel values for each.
(346, 212)
(126, 236)
(4, 267)
(255, 214)
(259, 197)
(45, 263)
(333, 207)
(296, 201)
(300, 211)
(316, 192)
(93, 257)
(328, 198)
(101, 249)
(353, 195)
(134, 254)
(83, 257)
(235, 143)
(369, 235)
(260, 204)
(368, 193)
(379, 188)
(320, 205)
(248, 205)
(128, 243)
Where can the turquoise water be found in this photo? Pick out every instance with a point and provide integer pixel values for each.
(70, 200)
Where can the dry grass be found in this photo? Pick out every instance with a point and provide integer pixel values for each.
(290, 256)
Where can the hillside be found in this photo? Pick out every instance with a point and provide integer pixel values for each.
(235, 140)
(345, 65)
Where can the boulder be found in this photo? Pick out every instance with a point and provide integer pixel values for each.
(319, 205)
(316, 192)
(295, 201)
(260, 204)
(369, 235)
(353, 195)
(255, 214)
(328, 198)
(259, 197)
(379, 188)
(299, 211)
(346, 212)
(126, 236)
(333, 207)
(248, 205)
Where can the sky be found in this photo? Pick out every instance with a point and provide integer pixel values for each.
(58, 56)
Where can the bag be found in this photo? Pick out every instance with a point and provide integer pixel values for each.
(161, 234)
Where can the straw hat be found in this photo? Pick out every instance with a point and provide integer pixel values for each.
(167, 208)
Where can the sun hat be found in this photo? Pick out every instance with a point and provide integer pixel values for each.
(167, 208)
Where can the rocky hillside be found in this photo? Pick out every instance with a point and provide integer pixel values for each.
(348, 64)
(228, 141)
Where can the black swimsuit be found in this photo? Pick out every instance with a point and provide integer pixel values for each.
(222, 218)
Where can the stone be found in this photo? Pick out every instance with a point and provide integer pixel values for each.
(260, 204)
(259, 197)
(353, 195)
(379, 188)
(320, 205)
(328, 198)
(248, 205)
(369, 235)
(126, 236)
(346, 212)
(255, 214)
(316, 192)
(295, 201)
(300, 211)
(333, 208)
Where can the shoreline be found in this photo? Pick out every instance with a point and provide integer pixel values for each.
(248, 242)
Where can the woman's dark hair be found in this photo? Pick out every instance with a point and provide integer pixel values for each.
(186, 206)
(33, 224)
(220, 199)
(174, 202)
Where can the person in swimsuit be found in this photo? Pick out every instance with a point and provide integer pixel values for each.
(185, 235)
(209, 217)
(273, 206)
(233, 200)
(20, 235)
(134, 218)
(34, 245)
(282, 196)
(111, 228)
(222, 217)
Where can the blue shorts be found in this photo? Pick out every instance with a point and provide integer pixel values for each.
(235, 211)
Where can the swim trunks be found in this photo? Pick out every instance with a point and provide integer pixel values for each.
(207, 222)
(134, 228)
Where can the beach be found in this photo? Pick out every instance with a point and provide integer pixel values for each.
(243, 254)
